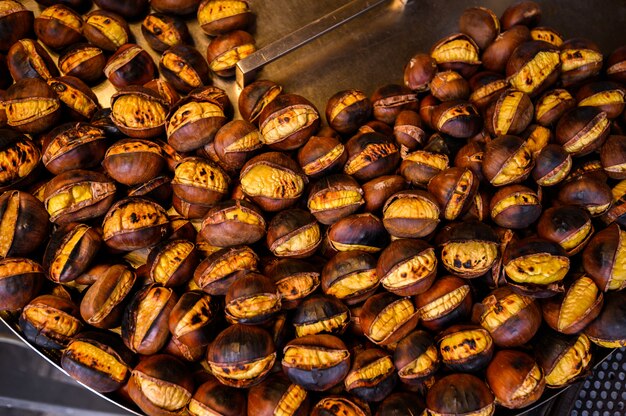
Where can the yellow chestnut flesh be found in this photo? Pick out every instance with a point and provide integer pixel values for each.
(500, 312)
(535, 72)
(97, 359)
(268, 181)
(371, 372)
(371, 154)
(243, 371)
(390, 319)
(540, 269)
(304, 240)
(571, 364)
(295, 118)
(160, 393)
(442, 305)
(411, 271)
(253, 306)
(191, 112)
(470, 256)
(305, 357)
(134, 111)
(354, 284)
(458, 50)
(326, 325)
(290, 401)
(422, 365)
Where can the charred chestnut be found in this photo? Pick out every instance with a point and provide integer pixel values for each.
(466, 348)
(350, 276)
(252, 298)
(411, 214)
(139, 112)
(216, 273)
(459, 119)
(515, 206)
(106, 30)
(20, 281)
(316, 362)
(469, 249)
(32, 106)
(163, 32)
(232, 223)
(130, 65)
(321, 314)
(460, 394)
(604, 258)
(133, 161)
(28, 59)
(50, 321)
(372, 376)
(515, 379)
(364, 232)
(288, 122)
(407, 267)
(226, 50)
(73, 146)
(386, 318)
(511, 319)
(569, 226)
(217, 17)
(543, 63)
(255, 97)
(582, 130)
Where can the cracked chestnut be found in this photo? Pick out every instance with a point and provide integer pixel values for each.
(407, 267)
(567, 225)
(411, 214)
(511, 319)
(350, 276)
(348, 110)
(448, 300)
(233, 222)
(588, 192)
(213, 396)
(390, 100)
(241, 355)
(99, 360)
(372, 376)
(32, 106)
(563, 358)
(236, 142)
(321, 314)
(460, 394)
(316, 362)
(571, 311)
(163, 32)
(334, 197)
(216, 273)
(226, 50)
(582, 130)
(139, 112)
(133, 161)
(50, 321)
(322, 155)
(533, 67)
(416, 358)
(20, 281)
(16, 23)
(287, 122)
(106, 30)
(252, 299)
(58, 26)
(295, 279)
(469, 249)
(70, 251)
(515, 379)
(458, 118)
(386, 318)
(104, 301)
(218, 17)
(507, 160)
(172, 263)
(160, 385)
(466, 348)
(364, 232)
(130, 65)
(134, 223)
(581, 59)
(604, 258)
(277, 394)
(24, 223)
(515, 206)
(184, 67)
(28, 59)
(255, 97)
(145, 327)
(607, 330)
(457, 52)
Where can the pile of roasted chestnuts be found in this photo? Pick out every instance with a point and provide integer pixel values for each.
(451, 243)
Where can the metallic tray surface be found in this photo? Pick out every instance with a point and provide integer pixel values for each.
(366, 53)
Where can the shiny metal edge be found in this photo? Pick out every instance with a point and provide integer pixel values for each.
(52, 358)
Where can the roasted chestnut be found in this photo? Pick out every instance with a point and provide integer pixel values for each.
(216, 273)
(372, 376)
(420, 166)
(232, 223)
(457, 52)
(573, 310)
(511, 319)
(416, 358)
(334, 197)
(371, 155)
(288, 122)
(99, 360)
(552, 105)
(49, 321)
(507, 160)
(613, 157)
(172, 263)
(77, 195)
(196, 180)
(28, 59)
(226, 50)
(273, 180)
(163, 31)
(192, 318)
(133, 161)
(316, 362)
(604, 258)
(364, 232)
(515, 379)
(160, 384)
(469, 249)
(580, 59)
(515, 206)
(459, 119)
(105, 300)
(236, 142)
(255, 97)
(252, 298)
(213, 396)
(390, 100)
(20, 281)
(350, 276)
(321, 155)
(139, 112)
(184, 67)
(83, 61)
(497, 54)
(569, 226)
(449, 86)
(411, 214)
(275, 395)
(419, 71)
(552, 165)
(218, 17)
(587, 192)
(348, 110)
(401, 403)
(510, 113)
(607, 330)
(32, 106)
(448, 300)
(294, 279)
(16, 23)
(564, 359)
(460, 394)
(378, 190)
(58, 26)
(386, 318)
(466, 348)
(106, 30)
(615, 65)
(70, 251)
(485, 86)
(24, 223)
(533, 67)
(128, 9)
(321, 314)
(582, 130)
(340, 405)
(527, 13)
(134, 223)
(407, 267)
(193, 122)
(130, 65)
(481, 24)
